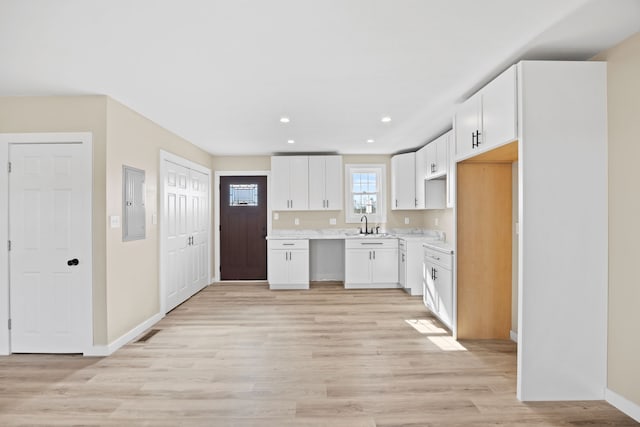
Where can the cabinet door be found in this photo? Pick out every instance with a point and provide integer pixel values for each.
(333, 182)
(467, 122)
(451, 172)
(317, 180)
(429, 287)
(442, 144)
(278, 268)
(384, 268)
(402, 269)
(358, 266)
(403, 181)
(299, 183)
(298, 267)
(444, 295)
(432, 158)
(421, 175)
(499, 112)
(280, 183)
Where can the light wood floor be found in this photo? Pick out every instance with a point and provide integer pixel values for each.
(241, 355)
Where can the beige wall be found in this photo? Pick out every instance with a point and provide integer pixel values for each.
(132, 267)
(125, 275)
(624, 210)
(72, 114)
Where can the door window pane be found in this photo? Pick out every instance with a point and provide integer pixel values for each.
(243, 195)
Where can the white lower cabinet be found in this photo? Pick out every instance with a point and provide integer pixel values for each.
(410, 265)
(288, 264)
(371, 263)
(437, 282)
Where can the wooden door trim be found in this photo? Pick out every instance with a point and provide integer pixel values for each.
(162, 222)
(216, 212)
(6, 139)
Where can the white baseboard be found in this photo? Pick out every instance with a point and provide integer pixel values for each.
(514, 336)
(623, 404)
(106, 350)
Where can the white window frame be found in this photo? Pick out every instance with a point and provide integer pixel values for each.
(380, 169)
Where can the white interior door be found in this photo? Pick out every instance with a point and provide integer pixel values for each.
(177, 240)
(185, 231)
(199, 230)
(50, 277)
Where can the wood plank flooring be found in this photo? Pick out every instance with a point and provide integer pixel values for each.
(240, 355)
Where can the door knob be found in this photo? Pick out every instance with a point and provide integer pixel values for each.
(73, 262)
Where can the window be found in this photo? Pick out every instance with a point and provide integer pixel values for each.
(243, 195)
(365, 193)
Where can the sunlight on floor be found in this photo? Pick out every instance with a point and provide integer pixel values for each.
(447, 343)
(436, 334)
(426, 326)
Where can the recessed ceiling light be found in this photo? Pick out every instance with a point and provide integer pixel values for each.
(370, 141)
(385, 119)
(290, 141)
(285, 119)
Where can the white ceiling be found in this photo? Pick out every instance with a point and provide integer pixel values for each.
(221, 73)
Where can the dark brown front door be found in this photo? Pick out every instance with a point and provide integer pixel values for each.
(243, 227)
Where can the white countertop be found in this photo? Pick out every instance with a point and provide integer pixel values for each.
(429, 238)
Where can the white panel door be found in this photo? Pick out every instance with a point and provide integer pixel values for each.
(298, 267)
(177, 243)
(467, 122)
(49, 214)
(499, 115)
(422, 168)
(198, 224)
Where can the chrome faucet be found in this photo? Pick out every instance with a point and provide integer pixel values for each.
(366, 225)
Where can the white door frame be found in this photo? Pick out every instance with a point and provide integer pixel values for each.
(216, 200)
(164, 156)
(6, 139)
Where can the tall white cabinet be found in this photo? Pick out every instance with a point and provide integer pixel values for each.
(555, 111)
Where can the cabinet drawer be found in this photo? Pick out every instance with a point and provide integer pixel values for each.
(288, 244)
(438, 258)
(370, 243)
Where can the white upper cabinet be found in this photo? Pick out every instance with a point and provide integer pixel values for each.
(403, 181)
(499, 110)
(421, 175)
(489, 117)
(436, 152)
(325, 183)
(467, 122)
(451, 171)
(290, 183)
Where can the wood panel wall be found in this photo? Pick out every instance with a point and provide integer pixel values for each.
(484, 227)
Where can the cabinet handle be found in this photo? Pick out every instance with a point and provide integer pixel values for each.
(286, 258)
(327, 204)
(475, 139)
(292, 204)
(374, 255)
(288, 244)
(369, 254)
(435, 276)
(396, 203)
(290, 255)
(371, 243)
